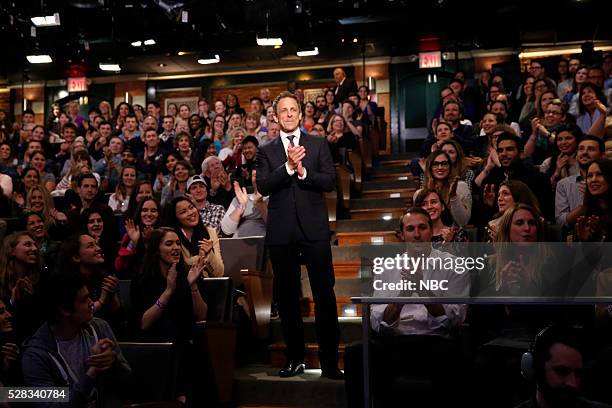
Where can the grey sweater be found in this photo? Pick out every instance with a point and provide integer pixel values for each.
(43, 366)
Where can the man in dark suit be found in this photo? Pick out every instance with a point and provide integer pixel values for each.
(344, 86)
(294, 170)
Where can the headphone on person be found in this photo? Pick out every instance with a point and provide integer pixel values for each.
(532, 360)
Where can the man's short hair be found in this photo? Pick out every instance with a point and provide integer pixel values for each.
(453, 102)
(154, 103)
(512, 137)
(349, 102)
(250, 139)
(282, 95)
(94, 110)
(415, 210)
(256, 98)
(600, 143)
(85, 176)
(457, 80)
(28, 112)
(131, 115)
(105, 122)
(60, 293)
(551, 335)
(69, 125)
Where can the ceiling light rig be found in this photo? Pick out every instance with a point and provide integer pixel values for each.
(308, 52)
(110, 66)
(46, 21)
(39, 59)
(206, 59)
(268, 39)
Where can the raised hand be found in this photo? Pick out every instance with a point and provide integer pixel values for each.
(300, 169)
(57, 215)
(600, 107)
(587, 227)
(133, 231)
(562, 161)
(196, 270)
(295, 154)
(448, 234)
(205, 246)
(171, 278)
(241, 194)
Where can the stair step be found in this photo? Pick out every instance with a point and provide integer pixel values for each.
(350, 330)
(260, 386)
(377, 213)
(370, 204)
(389, 193)
(391, 169)
(344, 226)
(373, 237)
(377, 185)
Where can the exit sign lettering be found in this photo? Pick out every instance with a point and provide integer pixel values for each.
(77, 84)
(430, 60)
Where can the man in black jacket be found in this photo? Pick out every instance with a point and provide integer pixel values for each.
(344, 85)
(509, 149)
(294, 170)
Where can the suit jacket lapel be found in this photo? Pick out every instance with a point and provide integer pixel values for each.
(306, 142)
(279, 151)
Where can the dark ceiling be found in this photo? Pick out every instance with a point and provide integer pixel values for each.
(95, 30)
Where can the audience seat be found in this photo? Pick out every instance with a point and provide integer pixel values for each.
(154, 372)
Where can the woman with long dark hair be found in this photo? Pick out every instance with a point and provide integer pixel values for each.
(197, 240)
(445, 230)
(443, 177)
(138, 232)
(596, 223)
(167, 304)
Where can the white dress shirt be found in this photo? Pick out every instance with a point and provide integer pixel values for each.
(296, 142)
(415, 319)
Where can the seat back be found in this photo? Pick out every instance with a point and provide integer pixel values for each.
(124, 293)
(154, 371)
(242, 253)
(217, 293)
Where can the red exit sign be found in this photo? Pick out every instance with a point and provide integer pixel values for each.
(430, 59)
(77, 84)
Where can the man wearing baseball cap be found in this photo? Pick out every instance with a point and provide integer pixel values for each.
(211, 214)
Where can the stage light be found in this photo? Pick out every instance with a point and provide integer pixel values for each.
(39, 59)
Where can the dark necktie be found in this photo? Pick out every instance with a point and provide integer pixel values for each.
(290, 138)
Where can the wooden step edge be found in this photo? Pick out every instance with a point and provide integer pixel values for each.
(374, 210)
(392, 176)
(391, 190)
(364, 233)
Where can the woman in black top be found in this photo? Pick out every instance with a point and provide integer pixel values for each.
(167, 304)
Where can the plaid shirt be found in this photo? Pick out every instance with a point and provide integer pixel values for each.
(211, 215)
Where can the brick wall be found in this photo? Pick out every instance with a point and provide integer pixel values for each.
(136, 90)
(5, 100)
(485, 63)
(36, 102)
(244, 93)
